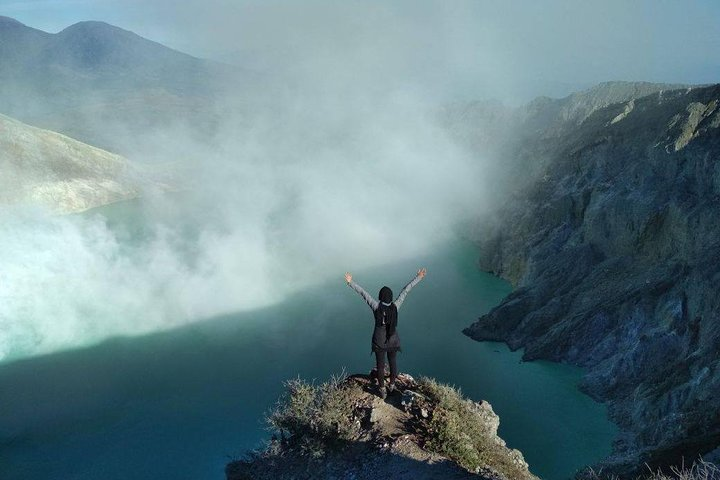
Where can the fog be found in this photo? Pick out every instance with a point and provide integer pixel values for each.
(306, 176)
(513, 50)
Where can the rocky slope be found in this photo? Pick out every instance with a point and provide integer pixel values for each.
(49, 169)
(613, 245)
(344, 430)
(522, 140)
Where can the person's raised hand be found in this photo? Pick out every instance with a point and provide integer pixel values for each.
(348, 277)
(422, 272)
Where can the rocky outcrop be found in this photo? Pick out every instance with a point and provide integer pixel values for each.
(344, 430)
(40, 167)
(614, 249)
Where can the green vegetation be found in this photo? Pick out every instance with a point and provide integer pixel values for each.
(318, 423)
(456, 430)
(316, 416)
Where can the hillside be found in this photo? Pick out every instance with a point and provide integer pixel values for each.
(342, 429)
(40, 167)
(612, 245)
(105, 85)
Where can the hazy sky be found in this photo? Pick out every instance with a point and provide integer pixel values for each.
(460, 49)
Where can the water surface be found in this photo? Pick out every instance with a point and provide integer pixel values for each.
(179, 404)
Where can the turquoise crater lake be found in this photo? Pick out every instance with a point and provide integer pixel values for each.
(180, 404)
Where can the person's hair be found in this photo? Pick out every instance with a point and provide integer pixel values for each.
(386, 314)
(386, 295)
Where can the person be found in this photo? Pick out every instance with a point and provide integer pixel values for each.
(385, 338)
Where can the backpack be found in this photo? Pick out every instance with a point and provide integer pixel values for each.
(386, 316)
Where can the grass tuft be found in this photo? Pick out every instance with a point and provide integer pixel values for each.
(456, 431)
(699, 470)
(316, 416)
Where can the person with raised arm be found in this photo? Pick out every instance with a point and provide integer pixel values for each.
(385, 338)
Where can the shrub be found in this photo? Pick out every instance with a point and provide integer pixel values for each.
(316, 415)
(457, 431)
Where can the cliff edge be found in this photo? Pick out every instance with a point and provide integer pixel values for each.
(613, 250)
(343, 429)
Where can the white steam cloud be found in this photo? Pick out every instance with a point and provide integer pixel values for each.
(294, 191)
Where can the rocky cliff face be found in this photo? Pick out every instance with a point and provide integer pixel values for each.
(523, 141)
(342, 429)
(45, 168)
(613, 244)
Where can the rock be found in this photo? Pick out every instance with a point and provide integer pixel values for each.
(613, 252)
(375, 415)
(44, 168)
(405, 378)
(488, 416)
(713, 457)
(392, 444)
(410, 399)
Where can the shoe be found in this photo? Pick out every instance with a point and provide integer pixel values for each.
(383, 393)
(391, 387)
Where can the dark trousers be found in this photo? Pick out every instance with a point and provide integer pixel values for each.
(380, 363)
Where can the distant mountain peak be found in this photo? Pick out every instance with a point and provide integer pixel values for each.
(91, 34)
(622, 86)
(94, 27)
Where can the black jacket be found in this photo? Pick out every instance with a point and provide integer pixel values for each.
(380, 342)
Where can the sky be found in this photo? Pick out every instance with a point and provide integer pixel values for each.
(511, 50)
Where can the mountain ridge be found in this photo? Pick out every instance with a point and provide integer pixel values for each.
(83, 81)
(10, 21)
(521, 137)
